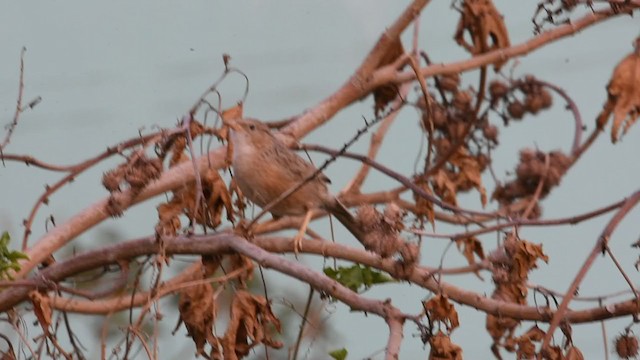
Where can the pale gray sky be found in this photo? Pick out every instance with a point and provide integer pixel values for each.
(107, 69)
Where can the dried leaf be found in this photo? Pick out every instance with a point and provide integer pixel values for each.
(470, 246)
(440, 309)
(526, 348)
(443, 349)
(525, 258)
(424, 208)
(383, 95)
(250, 325)
(215, 198)
(242, 263)
(41, 308)
(463, 174)
(197, 308)
(624, 95)
(573, 353)
(486, 27)
(535, 333)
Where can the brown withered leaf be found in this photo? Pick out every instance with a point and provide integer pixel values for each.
(168, 218)
(470, 246)
(197, 308)
(486, 27)
(444, 186)
(624, 95)
(525, 258)
(439, 308)
(443, 349)
(535, 333)
(526, 349)
(463, 174)
(573, 353)
(383, 95)
(242, 263)
(424, 208)
(215, 198)
(41, 308)
(251, 324)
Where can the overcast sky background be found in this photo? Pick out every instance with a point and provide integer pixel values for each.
(105, 70)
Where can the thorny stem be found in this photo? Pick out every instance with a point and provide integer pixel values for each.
(572, 220)
(399, 177)
(599, 247)
(76, 170)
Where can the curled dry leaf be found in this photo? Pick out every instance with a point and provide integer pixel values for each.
(624, 95)
(197, 308)
(485, 25)
(463, 173)
(41, 308)
(244, 264)
(383, 95)
(215, 198)
(424, 208)
(573, 353)
(439, 308)
(510, 272)
(252, 323)
(443, 349)
(470, 246)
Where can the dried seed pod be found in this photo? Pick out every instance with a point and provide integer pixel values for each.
(534, 103)
(450, 82)
(547, 99)
(516, 110)
(498, 89)
(490, 132)
(462, 100)
(626, 346)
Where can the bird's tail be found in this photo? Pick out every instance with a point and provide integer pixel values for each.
(337, 209)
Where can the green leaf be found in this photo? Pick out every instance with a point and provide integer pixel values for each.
(9, 260)
(339, 354)
(357, 277)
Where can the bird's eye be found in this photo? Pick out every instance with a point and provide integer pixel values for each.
(252, 127)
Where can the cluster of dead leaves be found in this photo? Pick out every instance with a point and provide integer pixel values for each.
(440, 310)
(462, 173)
(135, 175)
(533, 170)
(511, 264)
(448, 124)
(383, 234)
(211, 201)
(624, 95)
(525, 347)
(251, 322)
(483, 23)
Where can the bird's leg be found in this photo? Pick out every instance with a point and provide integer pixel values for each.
(297, 241)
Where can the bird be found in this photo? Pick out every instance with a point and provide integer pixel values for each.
(264, 168)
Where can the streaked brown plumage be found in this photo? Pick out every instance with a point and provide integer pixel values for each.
(264, 168)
